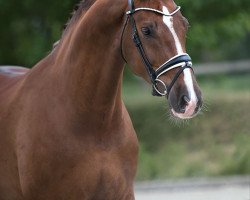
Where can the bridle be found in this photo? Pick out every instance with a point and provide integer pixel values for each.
(181, 61)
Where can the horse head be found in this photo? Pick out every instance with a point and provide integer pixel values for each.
(153, 44)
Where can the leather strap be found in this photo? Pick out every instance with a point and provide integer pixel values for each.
(183, 61)
(170, 86)
(138, 44)
(185, 58)
(145, 60)
(131, 5)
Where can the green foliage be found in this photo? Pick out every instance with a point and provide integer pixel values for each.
(212, 144)
(219, 29)
(29, 28)
(216, 143)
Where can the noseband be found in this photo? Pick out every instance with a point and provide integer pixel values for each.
(181, 61)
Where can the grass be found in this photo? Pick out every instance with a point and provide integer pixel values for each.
(214, 143)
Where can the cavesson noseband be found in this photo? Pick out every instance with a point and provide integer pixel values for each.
(182, 61)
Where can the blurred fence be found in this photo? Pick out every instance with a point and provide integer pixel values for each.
(222, 67)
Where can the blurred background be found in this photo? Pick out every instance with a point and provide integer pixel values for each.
(215, 143)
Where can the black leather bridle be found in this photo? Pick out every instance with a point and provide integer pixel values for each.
(182, 61)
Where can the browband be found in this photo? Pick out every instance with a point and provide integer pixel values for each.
(153, 10)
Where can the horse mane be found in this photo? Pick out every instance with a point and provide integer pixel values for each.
(79, 9)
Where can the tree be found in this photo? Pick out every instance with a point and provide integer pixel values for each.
(29, 28)
(219, 30)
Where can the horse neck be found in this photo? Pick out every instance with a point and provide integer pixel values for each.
(88, 62)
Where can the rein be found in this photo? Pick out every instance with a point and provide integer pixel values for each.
(181, 61)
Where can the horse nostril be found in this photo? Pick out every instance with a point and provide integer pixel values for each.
(183, 103)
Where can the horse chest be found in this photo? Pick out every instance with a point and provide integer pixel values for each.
(82, 168)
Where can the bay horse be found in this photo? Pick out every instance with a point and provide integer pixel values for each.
(64, 130)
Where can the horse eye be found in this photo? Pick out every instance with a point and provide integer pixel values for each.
(146, 31)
